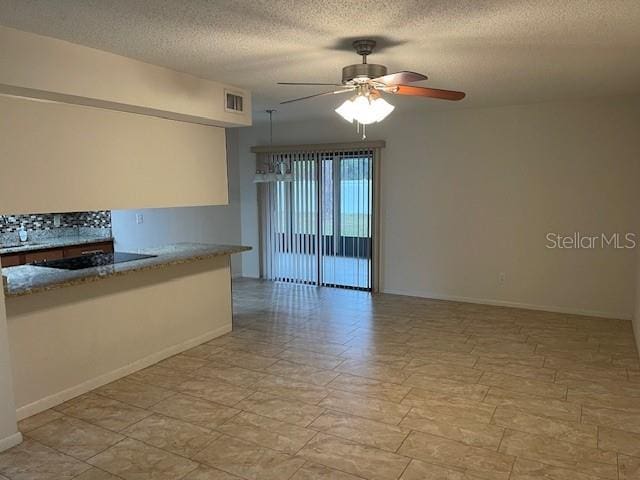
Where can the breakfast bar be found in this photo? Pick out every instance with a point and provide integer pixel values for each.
(73, 328)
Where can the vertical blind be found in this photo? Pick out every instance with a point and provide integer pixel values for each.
(318, 228)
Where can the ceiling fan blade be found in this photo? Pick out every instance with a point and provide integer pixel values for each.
(400, 77)
(335, 92)
(307, 83)
(425, 92)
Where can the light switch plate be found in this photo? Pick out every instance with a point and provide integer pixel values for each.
(139, 218)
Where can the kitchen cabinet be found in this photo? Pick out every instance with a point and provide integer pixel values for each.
(11, 260)
(43, 255)
(87, 249)
(39, 255)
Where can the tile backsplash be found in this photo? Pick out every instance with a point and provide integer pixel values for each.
(42, 222)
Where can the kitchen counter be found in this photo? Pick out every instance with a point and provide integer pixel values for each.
(43, 244)
(27, 279)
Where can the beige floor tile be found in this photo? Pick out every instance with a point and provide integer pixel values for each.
(443, 385)
(360, 430)
(160, 377)
(301, 373)
(133, 460)
(257, 348)
(182, 363)
(214, 390)
(314, 359)
(95, 474)
(368, 387)
(418, 470)
(33, 461)
(572, 432)
(202, 352)
(463, 359)
(560, 454)
(195, 410)
(450, 405)
(243, 359)
(599, 385)
(138, 394)
(231, 374)
(105, 412)
(354, 458)
(524, 385)
(619, 441)
(529, 470)
(74, 437)
(375, 371)
(267, 432)
(170, 434)
(373, 409)
(286, 410)
(481, 462)
(294, 389)
(628, 467)
(312, 471)
(208, 473)
(619, 419)
(38, 420)
(454, 427)
(545, 407)
(535, 373)
(327, 348)
(248, 460)
(604, 399)
(444, 370)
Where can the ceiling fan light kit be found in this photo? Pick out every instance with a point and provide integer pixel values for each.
(369, 81)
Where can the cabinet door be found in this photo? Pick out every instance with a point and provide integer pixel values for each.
(89, 248)
(43, 255)
(11, 260)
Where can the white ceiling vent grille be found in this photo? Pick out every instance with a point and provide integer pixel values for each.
(233, 102)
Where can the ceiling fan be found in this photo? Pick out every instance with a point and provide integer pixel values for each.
(369, 81)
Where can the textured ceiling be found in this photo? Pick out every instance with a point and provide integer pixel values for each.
(499, 52)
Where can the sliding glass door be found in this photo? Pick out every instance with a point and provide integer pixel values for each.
(317, 228)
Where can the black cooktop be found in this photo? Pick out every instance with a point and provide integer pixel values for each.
(91, 261)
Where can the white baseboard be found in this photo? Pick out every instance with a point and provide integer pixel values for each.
(505, 303)
(10, 441)
(61, 397)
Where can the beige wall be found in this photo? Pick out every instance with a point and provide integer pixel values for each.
(470, 193)
(66, 342)
(57, 158)
(43, 67)
(9, 435)
(210, 224)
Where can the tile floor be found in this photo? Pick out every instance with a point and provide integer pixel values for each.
(334, 384)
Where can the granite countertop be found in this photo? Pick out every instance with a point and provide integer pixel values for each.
(27, 279)
(53, 243)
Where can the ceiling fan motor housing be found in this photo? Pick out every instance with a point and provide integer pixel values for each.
(351, 73)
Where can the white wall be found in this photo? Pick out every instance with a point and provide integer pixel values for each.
(209, 224)
(39, 67)
(9, 435)
(56, 157)
(470, 193)
(105, 330)
(636, 317)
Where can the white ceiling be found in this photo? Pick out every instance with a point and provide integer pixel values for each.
(499, 52)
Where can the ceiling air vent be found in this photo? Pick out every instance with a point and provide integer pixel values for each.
(233, 102)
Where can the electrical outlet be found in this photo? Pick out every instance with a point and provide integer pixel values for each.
(139, 218)
(57, 220)
(502, 277)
